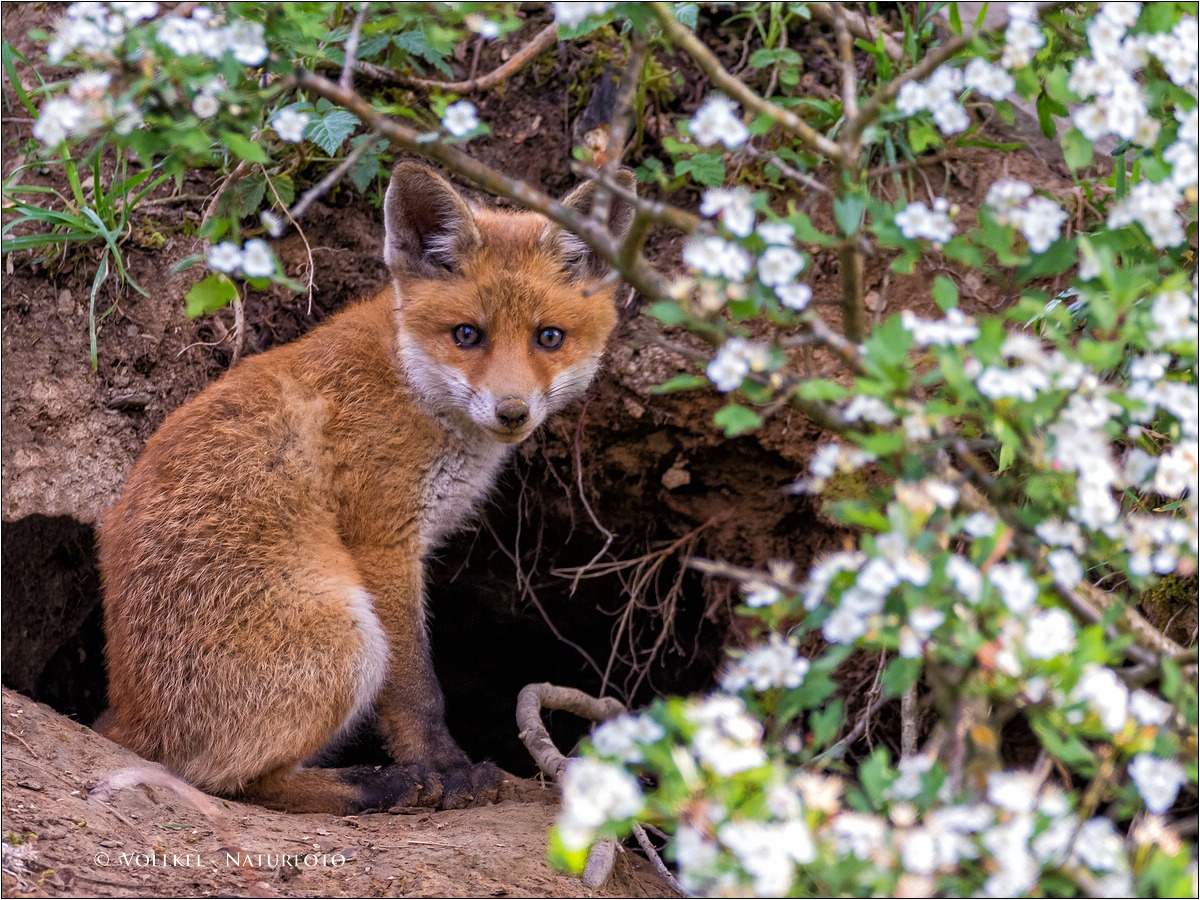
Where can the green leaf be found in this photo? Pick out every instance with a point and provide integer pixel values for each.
(667, 313)
(945, 293)
(922, 135)
(330, 130)
(209, 295)
(366, 168)
(1066, 747)
(679, 383)
(1077, 150)
(737, 419)
(243, 148)
(874, 777)
(707, 169)
(688, 14)
(899, 675)
(821, 389)
(848, 211)
(825, 723)
(1056, 258)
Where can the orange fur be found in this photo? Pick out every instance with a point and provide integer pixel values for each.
(263, 570)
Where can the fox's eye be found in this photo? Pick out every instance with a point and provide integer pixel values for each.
(550, 338)
(466, 335)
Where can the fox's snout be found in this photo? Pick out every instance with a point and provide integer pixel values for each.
(512, 413)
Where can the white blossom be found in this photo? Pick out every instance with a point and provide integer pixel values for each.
(289, 124)
(225, 257)
(991, 81)
(718, 258)
(595, 793)
(794, 296)
(460, 118)
(733, 205)
(622, 737)
(779, 266)
(1013, 791)
(717, 122)
(570, 14)
(772, 665)
(1106, 694)
(728, 740)
(1148, 709)
(776, 233)
(1049, 633)
(257, 259)
(1017, 590)
(956, 328)
(918, 221)
(1158, 780)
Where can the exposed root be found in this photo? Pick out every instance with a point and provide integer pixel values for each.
(530, 703)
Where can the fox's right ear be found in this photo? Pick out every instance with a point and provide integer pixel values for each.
(428, 227)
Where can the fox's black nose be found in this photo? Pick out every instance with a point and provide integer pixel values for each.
(512, 413)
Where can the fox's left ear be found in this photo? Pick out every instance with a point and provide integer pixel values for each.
(577, 256)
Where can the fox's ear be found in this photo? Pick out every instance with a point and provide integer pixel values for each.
(428, 227)
(576, 255)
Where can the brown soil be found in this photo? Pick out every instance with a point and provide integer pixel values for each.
(146, 841)
(649, 470)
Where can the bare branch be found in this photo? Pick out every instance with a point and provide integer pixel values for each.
(641, 275)
(652, 854)
(860, 26)
(347, 79)
(737, 89)
(335, 175)
(540, 42)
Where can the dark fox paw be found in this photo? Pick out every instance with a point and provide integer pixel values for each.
(473, 785)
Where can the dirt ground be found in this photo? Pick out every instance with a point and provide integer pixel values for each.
(146, 841)
(649, 470)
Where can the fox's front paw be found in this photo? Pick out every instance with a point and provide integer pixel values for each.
(472, 785)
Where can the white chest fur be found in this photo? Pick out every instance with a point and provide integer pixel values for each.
(457, 485)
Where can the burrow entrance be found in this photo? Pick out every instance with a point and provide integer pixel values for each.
(507, 607)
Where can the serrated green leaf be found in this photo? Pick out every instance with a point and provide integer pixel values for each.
(330, 129)
(707, 169)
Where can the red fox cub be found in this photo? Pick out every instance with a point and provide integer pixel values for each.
(263, 569)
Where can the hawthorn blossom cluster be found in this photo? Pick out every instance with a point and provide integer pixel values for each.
(87, 106)
(775, 664)
(779, 264)
(1039, 218)
(1025, 826)
(98, 31)
(595, 793)
(736, 359)
(917, 221)
(940, 92)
